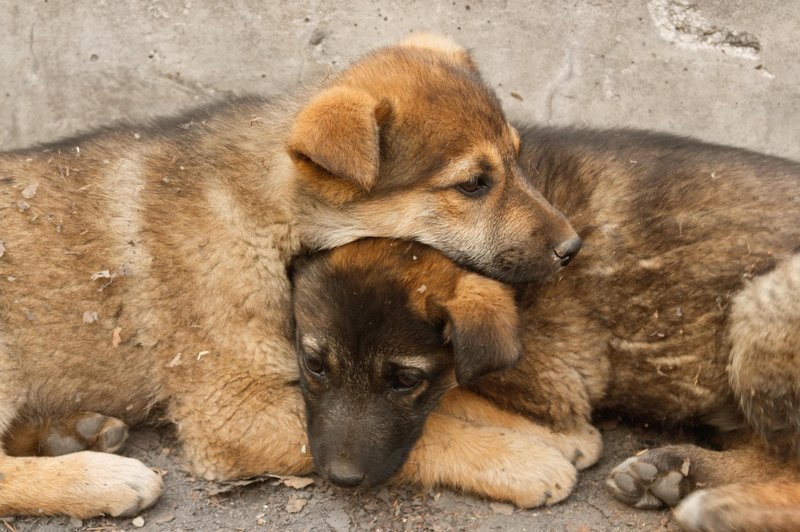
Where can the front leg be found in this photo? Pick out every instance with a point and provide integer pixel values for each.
(238, 422)
(580, 443)
(489, 461)
(470, 444)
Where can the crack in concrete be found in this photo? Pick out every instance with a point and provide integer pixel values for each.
(31, 50)
(680, 22)
(564, 76)
(193, 87)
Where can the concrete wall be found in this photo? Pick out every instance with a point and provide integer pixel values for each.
(724, 70)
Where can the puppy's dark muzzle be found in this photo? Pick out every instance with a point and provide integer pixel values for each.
(567, 250)
(345, 475)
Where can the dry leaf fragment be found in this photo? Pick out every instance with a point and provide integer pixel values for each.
(224, 487)
(105, 274)
(116, 339)
(685, 467)
(30, 191)
(295, 504)
(297, 483)
(176, 361)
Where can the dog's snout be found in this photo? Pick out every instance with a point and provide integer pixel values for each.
(567, 250)
(344, 474)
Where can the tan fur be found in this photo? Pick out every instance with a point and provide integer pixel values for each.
(145, 266)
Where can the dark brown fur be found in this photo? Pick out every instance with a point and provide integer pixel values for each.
(682, 308)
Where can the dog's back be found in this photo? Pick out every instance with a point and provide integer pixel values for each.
(674, 230)
(688, 289)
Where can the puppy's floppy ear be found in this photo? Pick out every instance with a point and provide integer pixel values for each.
(482, 326)
(339, 131)
(445, 46)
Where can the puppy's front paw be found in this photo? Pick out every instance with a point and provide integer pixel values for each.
(582, 447)
(538, 475)
(651, 480)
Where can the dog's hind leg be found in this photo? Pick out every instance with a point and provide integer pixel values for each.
(773, 506)
(665, 475)
(764, 365)
(83, 484)
(81, 431)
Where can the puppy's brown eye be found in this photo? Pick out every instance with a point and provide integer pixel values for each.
(477, 186)
(314, 365)
(405, 381)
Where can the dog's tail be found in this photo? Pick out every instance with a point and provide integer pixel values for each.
(767, 506)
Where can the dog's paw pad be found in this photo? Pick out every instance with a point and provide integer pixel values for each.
(58, 444)
(85, 431)
(651, 480)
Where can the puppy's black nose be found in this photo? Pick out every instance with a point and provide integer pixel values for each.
(345, 475)
(567, 250)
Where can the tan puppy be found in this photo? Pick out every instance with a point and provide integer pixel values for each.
(143, 269)
(684, 308)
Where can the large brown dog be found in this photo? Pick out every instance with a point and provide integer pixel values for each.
(144, 268)
(684, 307)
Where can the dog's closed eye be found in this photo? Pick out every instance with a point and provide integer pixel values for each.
(407, 380)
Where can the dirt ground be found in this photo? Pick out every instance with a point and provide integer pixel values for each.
(190, 504)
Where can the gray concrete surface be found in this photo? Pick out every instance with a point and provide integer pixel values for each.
(724, 71)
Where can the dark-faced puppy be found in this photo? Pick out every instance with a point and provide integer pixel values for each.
(383, 331)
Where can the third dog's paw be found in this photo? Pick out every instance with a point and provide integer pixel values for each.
(650, 480)
(85, 431)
